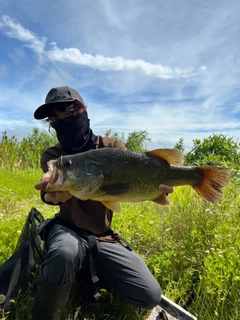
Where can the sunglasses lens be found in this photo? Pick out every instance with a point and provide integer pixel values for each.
(55, 123)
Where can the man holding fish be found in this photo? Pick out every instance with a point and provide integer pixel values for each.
(79, 241)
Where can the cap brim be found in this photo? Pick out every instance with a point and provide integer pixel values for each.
(42, 112)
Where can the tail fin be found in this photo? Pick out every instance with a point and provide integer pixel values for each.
(214, 179)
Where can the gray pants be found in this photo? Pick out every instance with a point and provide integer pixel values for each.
(118, 269)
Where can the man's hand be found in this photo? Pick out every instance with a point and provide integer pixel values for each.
(57, 197)
(42, 185)
(52, 197)
(165, 188)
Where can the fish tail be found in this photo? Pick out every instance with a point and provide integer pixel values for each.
(213, 180)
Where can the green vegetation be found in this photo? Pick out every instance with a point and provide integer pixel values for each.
(192, 247)
(24, 154)
(135, 141)
(217, 149)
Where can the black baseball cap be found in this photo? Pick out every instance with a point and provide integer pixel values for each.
(56, 96)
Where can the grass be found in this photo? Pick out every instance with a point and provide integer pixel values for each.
(192, 248)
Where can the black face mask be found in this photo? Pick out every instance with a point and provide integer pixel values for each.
(75, 134)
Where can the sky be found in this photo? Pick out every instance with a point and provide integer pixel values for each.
(170, 67)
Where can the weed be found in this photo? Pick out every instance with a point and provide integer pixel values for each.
(192, 248)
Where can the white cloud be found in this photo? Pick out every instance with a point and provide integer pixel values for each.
(15, 30)
(156, 51)
(75, 56)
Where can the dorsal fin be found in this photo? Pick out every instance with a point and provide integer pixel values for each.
(172, 156)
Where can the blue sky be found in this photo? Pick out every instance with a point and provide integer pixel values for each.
(169, 67)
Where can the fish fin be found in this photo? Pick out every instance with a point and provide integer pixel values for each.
(163, 200)
(213, 180)
(78, 194)
(114, 206)
(172, 156)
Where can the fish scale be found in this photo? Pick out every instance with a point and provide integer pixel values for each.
(113, 175)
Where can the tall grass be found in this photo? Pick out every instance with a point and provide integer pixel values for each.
(192, 248)
(25, 154)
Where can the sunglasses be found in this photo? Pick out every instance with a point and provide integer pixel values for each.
(56, 123)
(63, 108)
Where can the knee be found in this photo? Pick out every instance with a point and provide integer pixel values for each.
(64, 258)
(152, 297)
(146, 297)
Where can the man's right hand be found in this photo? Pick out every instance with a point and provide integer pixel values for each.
(54, 197)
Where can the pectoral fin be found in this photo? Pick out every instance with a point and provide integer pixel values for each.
(88, 191)
(114, 206)
(163, 200)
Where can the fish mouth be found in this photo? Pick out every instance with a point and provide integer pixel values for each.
(56, 176)
(53, 172)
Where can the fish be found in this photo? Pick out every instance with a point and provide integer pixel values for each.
(112, 175)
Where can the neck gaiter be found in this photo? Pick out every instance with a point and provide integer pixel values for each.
(75, 134)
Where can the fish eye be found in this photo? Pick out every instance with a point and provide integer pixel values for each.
(67, 164)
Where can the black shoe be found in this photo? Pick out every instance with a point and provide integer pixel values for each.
(162, 315)
(94, 298)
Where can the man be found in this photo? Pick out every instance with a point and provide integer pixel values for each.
(70, 237)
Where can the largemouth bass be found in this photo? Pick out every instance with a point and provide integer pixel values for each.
(113, 175)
